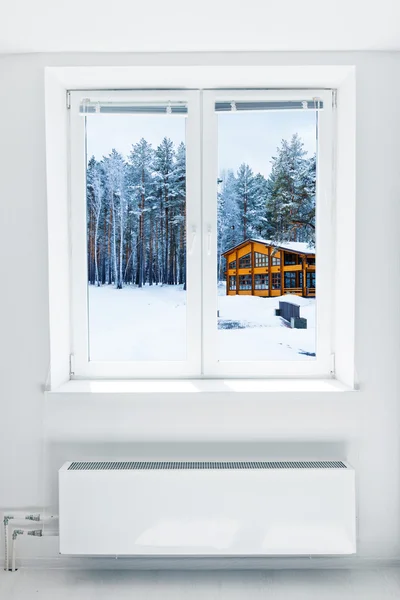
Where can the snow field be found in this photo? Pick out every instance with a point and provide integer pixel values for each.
(149, 323)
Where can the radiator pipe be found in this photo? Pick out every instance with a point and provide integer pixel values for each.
(20, 516)
(33, 532)
(15, 533)
(5, 524)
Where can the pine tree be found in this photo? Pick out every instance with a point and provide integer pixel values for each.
(257, 218)
(141, 161)
(179, 180)
(228, 217)
(246, 198)
(136, 210)
(163, 171)
(304, 219)
(95, 199)
(115, 171)
(291, 201)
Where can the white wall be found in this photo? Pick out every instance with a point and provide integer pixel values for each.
(38, 434)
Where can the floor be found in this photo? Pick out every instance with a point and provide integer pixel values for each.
(205, 585)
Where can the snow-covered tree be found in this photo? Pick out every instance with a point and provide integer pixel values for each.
(115, 170)
(228, 217)
(164, 165)
(136, 210)
(95, 199)
(141, 185)
(257, 217)
(246, 198)
(291, 201)
(179, 220)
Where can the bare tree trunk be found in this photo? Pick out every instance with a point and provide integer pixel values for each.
(114, 245)
(162, 242)
(150, 267)
(167, 249)
(183, 249)
(121, 244)
(141, 235)
(109, 248)
(156, 251)
(96, 233)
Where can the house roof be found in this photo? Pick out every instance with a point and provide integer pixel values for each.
(297, 247)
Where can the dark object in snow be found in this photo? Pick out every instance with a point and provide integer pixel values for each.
(278, 312)
(307, 353)
(288, 310)
(298, 323)
(227, 324)
(291, 313)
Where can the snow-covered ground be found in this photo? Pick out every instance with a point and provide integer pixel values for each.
(137, 323)
(150, 324)
(260, 335)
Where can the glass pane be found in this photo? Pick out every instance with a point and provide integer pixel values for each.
(136, 237)
(266, 234)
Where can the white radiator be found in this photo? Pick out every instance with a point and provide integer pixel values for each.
(207, 508)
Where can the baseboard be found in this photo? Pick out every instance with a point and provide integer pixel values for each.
(208, 564)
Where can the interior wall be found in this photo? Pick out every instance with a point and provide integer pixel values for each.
(39, 434)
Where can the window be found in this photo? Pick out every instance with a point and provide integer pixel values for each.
(310, 279)
(245, 262)
(290, 280)
(260, 260)
(260, 282)
(311, 260)
(135, 205)
(290, 259)
(276, 281)
(244, 282)
(164, 185)
(135, 238)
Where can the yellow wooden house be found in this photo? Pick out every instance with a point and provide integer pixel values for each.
(262, 268)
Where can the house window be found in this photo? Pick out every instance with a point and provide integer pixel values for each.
(260, 282)
(245, 261)
(290, 280)
(244, 282)
(290, 259)
(276, 281)
(157, 204)
(260, 260)
(311, 260)
(310, 279)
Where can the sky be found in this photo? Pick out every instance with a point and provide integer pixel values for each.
(250, 137)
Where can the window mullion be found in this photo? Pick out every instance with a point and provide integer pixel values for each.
(209, 214)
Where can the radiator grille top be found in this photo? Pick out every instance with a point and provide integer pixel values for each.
(202, 465)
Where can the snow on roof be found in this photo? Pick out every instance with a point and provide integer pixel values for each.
(301, 247)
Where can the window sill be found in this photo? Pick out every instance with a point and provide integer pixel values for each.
(190, 386)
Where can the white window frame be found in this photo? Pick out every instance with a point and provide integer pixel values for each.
(83, 367)
(322, 365)
(201, 205)
(276, 71)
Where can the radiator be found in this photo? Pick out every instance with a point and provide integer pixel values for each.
(207, 508)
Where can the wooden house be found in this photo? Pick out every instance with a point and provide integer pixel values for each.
(261, 268)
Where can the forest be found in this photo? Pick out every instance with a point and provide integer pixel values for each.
(136, 210)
